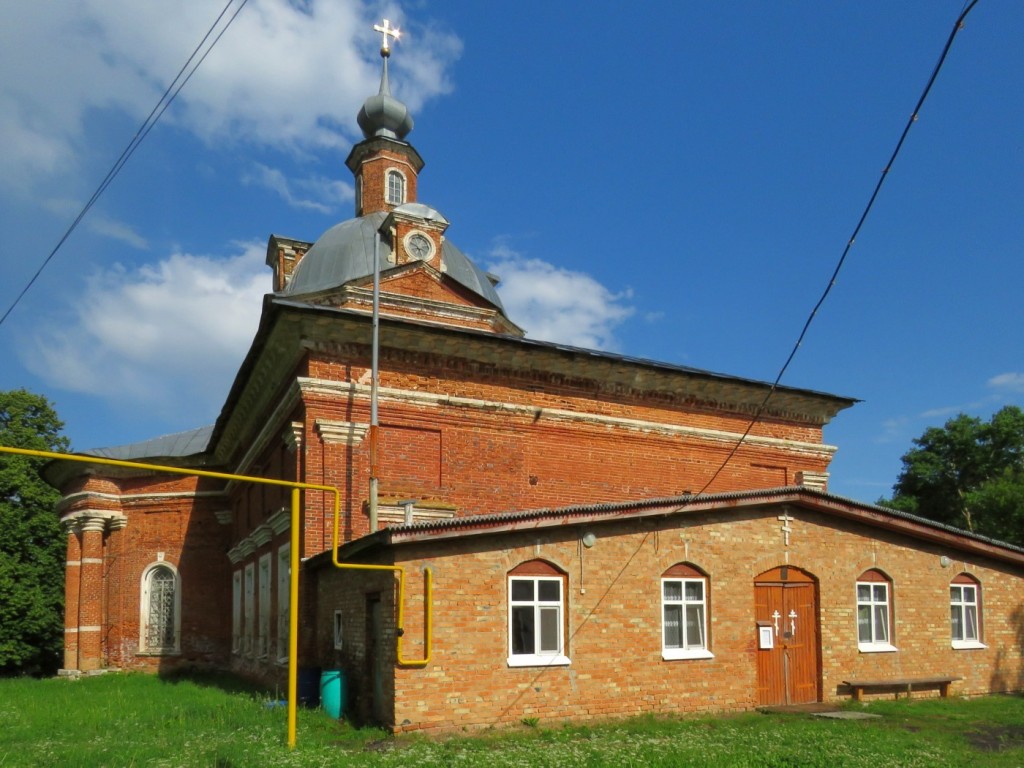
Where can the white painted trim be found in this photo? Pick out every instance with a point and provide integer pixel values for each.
(144, 610)
(333, 431)
(264, 588)
(283, 600)
(387, 186)
(876, 648)
(535, 660)
(236, 611)
(323, 386)
(73, 497)
(966, 645)
(104, 517)
(674, 654)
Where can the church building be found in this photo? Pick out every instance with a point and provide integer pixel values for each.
(558, 533)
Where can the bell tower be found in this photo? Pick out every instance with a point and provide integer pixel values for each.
(385, 166)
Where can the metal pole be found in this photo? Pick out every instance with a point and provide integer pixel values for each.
(374, 375)
(293, 621)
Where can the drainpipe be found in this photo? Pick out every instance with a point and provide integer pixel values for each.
(374, 374)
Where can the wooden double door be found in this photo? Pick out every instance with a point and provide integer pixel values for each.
(789, 647)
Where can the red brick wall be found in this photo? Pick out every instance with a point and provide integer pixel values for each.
(486, 458)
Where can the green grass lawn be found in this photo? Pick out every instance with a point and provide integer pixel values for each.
(139, 720)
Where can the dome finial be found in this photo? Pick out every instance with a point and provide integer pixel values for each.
(383, 115)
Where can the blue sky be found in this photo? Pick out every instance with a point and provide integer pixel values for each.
(674, 181)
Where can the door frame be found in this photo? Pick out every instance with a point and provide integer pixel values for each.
(786, 577)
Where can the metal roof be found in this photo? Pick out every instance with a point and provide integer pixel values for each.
(574, 515)
(177, 445)
(345, 253)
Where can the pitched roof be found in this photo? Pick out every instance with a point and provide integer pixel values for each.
(596, 514)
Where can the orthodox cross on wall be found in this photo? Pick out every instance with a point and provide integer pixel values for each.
(785, 519)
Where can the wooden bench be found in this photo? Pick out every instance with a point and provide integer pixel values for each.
(902, 684)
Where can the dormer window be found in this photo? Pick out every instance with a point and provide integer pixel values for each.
(395, 188)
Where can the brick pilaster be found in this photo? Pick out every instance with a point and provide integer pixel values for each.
(90, 594)
(72, 582)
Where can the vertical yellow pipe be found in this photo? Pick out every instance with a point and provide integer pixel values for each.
(293, 621)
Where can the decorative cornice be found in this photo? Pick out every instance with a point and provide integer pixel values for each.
(224, 516)
(262, 535)
(393, 514)
(809, 479)
(347, 432)
(292, 436)
(235, 555)
(416, 397)
(73, 498)
(281, 520)
(246, 546)
(94, 520)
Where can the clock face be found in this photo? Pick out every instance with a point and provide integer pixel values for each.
(419, 246)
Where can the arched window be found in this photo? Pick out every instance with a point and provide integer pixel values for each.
(536, 615)
(874, 612)
(160, 619)
(395, 187)
(684, 610)
(965, 612)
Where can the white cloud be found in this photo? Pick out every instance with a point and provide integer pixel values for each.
(168, 336)
(97, 222)
(320, 193)
(1008, 382)
(285, 74)
(116, 230)
(555, 304)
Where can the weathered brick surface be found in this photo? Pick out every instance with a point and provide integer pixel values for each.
(614, 619)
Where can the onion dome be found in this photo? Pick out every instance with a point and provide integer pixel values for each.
(383, 114)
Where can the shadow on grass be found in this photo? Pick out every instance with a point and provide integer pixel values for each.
(214, 678)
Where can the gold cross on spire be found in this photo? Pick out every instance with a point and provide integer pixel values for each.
(387, 31)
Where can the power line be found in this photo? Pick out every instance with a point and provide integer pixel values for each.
(842, 259)
(165, 100)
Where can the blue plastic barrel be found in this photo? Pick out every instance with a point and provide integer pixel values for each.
(308, 686)
(333, 692)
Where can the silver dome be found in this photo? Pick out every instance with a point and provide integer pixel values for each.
(345, 253)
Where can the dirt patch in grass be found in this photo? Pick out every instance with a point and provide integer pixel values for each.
(997, 738)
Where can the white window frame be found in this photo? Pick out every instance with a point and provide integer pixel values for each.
(284, 593)
(961, 603)
(686, 650)
(876, 644)
(339, 632)
(553, 657)
(250, 608)
(236, 612)
(389, 198)
(263, 639)
(174, 648)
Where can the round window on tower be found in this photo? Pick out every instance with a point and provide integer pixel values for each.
(418, 246)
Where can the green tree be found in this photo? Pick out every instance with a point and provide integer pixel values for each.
(31, 540)
(968, 473)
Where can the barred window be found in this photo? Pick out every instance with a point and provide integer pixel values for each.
(161, 606)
